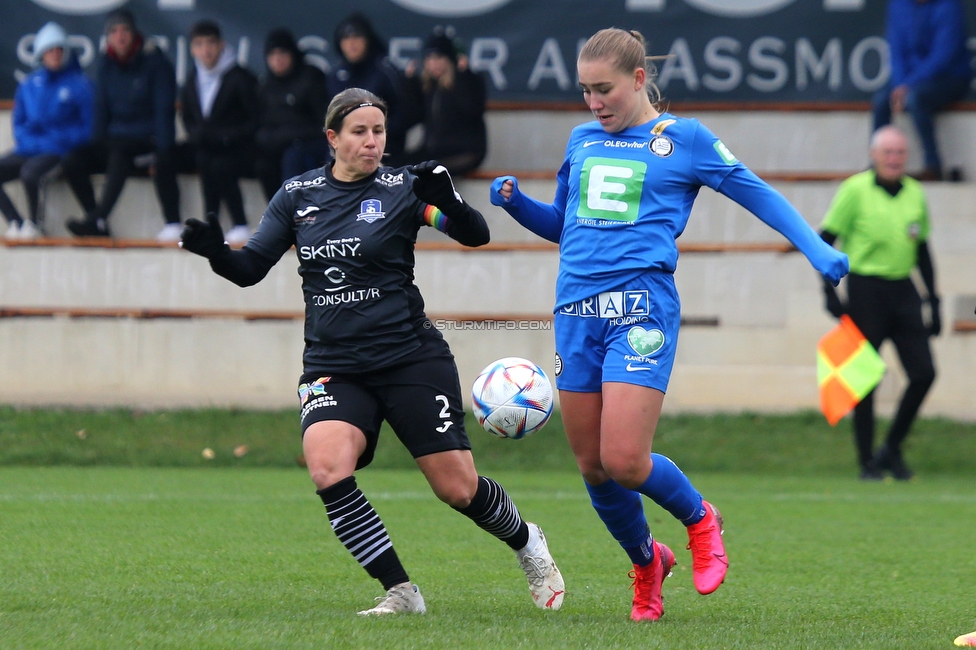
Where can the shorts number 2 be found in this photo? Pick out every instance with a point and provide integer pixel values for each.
(444, 414)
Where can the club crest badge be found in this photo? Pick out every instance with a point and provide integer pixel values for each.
(370, 210)
(661, 145)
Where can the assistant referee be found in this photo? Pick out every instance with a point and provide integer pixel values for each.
(881, 219)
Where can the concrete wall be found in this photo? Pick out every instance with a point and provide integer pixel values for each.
(764, 140)
(761, 357)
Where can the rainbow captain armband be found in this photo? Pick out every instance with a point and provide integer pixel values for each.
(434, 218)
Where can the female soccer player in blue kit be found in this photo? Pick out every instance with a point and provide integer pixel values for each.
(624, 194)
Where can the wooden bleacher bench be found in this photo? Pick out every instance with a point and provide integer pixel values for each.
(447, 246)
(145, 313)
(769, 177)
(964, 325)
(694, 107)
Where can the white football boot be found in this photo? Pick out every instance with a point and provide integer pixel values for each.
(545, 581)
(237, 235)
(403, 598)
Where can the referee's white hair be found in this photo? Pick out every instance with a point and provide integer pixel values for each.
(883, 132)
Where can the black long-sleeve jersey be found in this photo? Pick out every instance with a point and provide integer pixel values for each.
(355, 245)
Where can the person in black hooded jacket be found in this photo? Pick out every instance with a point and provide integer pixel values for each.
(364, 64)
(220, 113)
(293, 101)
(454, 100)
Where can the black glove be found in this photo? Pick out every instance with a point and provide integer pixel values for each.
(935, 324)
(204, 238)
(833, 304)
(433, 185)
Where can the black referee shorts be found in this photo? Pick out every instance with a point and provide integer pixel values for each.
(420, 400)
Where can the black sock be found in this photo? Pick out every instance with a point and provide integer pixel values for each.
(492, 509)
(362, 532)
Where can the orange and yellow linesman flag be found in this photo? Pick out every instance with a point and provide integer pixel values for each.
(848, 368)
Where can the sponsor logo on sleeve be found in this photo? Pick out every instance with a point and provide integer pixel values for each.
(727, 157)
(291, 186)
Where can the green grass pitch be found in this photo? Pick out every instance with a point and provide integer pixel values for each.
(114, 557)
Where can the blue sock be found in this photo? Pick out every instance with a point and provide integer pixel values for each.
(623, 514)
(668, 487)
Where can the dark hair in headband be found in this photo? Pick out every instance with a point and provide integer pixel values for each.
(346, 102)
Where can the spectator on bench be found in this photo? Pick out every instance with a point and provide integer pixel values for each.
(364, 64)
(220, 113)
(454, 107)
(52, 115)
(135, 115)
(929, 69)
(293, 101)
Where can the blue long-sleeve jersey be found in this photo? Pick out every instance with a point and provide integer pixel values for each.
(926, 40)
(623, 199)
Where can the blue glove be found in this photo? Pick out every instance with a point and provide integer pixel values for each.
(830, 262)
(494, 194)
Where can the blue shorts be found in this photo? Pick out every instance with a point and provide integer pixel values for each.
(627, 335)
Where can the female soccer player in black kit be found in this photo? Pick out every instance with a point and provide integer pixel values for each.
(370, 351)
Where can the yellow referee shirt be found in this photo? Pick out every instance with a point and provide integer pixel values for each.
(880, 233)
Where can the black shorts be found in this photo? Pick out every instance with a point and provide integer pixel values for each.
(421, 401)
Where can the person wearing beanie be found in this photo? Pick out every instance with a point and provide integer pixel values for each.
(363, 63)
(440, 44)
(135, 116)
(292, 102)
(454, 107)
(52, 114)
(220, 112)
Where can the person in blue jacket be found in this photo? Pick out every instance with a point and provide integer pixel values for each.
(52, 116)
(135, 117)
(929, 69)
(624, 194)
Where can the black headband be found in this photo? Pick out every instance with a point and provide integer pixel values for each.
(341, 116)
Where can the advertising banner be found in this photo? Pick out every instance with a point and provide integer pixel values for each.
(720, 50)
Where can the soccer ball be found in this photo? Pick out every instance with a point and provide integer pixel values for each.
(512, 398)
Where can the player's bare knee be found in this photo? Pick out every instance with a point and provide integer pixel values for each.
(594, 474)
(628, 472)
(456, 495)
(324, 477)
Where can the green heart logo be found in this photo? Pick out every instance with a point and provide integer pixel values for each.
(645, 342)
